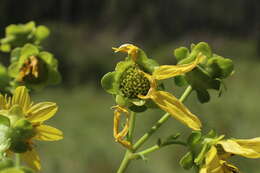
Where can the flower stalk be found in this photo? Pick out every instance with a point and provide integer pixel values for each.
(130, 154)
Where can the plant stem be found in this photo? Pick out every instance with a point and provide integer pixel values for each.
(161, 121)
(128, 153)
(17, 160)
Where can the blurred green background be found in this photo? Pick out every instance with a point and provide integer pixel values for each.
(83, 32)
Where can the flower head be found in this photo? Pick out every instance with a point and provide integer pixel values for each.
(134, 84)
(215, 158)
(26, 124)
(33, 68)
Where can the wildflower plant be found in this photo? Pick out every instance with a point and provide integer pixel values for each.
(22, 122)
(137, 85)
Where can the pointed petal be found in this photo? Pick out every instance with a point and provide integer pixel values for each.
(48, 133)
(169, 71)
(231, 146)
(21, 97)
(32, 159)
(253, 144)
(172, 105)
(41, 111)
(212, 162)
(131, 49)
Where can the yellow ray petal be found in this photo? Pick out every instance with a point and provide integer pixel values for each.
(48, 133)
(168, 71)
(131, 49)
(253, 144)
(172, 105)
(228, 168)
(41, 111)
(22, 98)
(231, 146)
(212, 162)
(32, 159)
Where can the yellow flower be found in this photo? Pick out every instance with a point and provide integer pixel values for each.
(215, 161)
(165, 100)
(20, 110)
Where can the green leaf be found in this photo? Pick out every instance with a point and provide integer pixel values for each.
(194, 138)
(181, 53)
(29, 50)
(41, 33)
(4, 121)
(203, 95)
(108, 83)
(187, 161)
(4, 138)
(180, 81)
(15, 54)
(147, 64)
(5, 47)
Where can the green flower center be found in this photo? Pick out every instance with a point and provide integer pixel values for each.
(133, 83)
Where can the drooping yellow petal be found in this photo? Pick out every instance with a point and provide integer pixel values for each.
(119, 136)
(48, 133)
(32, 159)
(22, 98)
(173, 106)
(253, 143)
(232, 146)
(212, 162)
(131, 49)
(168, 71)
(41, 112)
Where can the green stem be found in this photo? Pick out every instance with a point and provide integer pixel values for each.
(17, 160)
(160, 122)
(128, 154)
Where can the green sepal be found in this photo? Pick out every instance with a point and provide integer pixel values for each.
(220, 67)
(146, 63)
(181, 53)
(4, 77)
(6, 163)
(203, 95)
(15, 54)
(41, 33)
(4, 121)
(54, 76)
(180, 81)
(187, 161)
(138, 109)
(4, 136)
(202, 48)
(108, 83)
(23, 130)
(122, 101)
(194, 138)
(5, 48)
(199, 158)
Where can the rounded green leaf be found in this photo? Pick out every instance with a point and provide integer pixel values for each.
(41, 33)
(181, 53)
(108, 83)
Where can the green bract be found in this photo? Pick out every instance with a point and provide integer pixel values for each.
(33, 68)
(209, 74)
(127, 81)
(19, 35)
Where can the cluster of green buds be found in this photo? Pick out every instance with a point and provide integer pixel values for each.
(19, 35)
(209, 74)
(29, 64)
